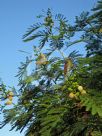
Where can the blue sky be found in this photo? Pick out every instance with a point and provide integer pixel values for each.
(15, 17)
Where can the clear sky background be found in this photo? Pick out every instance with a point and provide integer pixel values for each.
(15, 17)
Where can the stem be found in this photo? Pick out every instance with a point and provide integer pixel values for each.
(61, 54)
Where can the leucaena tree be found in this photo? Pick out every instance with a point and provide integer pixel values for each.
(63, 94)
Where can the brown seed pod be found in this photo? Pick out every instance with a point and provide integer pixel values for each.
(67, 66)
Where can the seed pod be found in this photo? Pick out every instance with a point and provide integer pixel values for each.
(68, 65)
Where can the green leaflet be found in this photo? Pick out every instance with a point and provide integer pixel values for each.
(77, 128)
(32, 29)
(92, 103)
(94, 109)
(96, 133)
(58, 111)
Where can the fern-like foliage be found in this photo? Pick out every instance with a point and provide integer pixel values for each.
(51, 102)
(93, 103)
